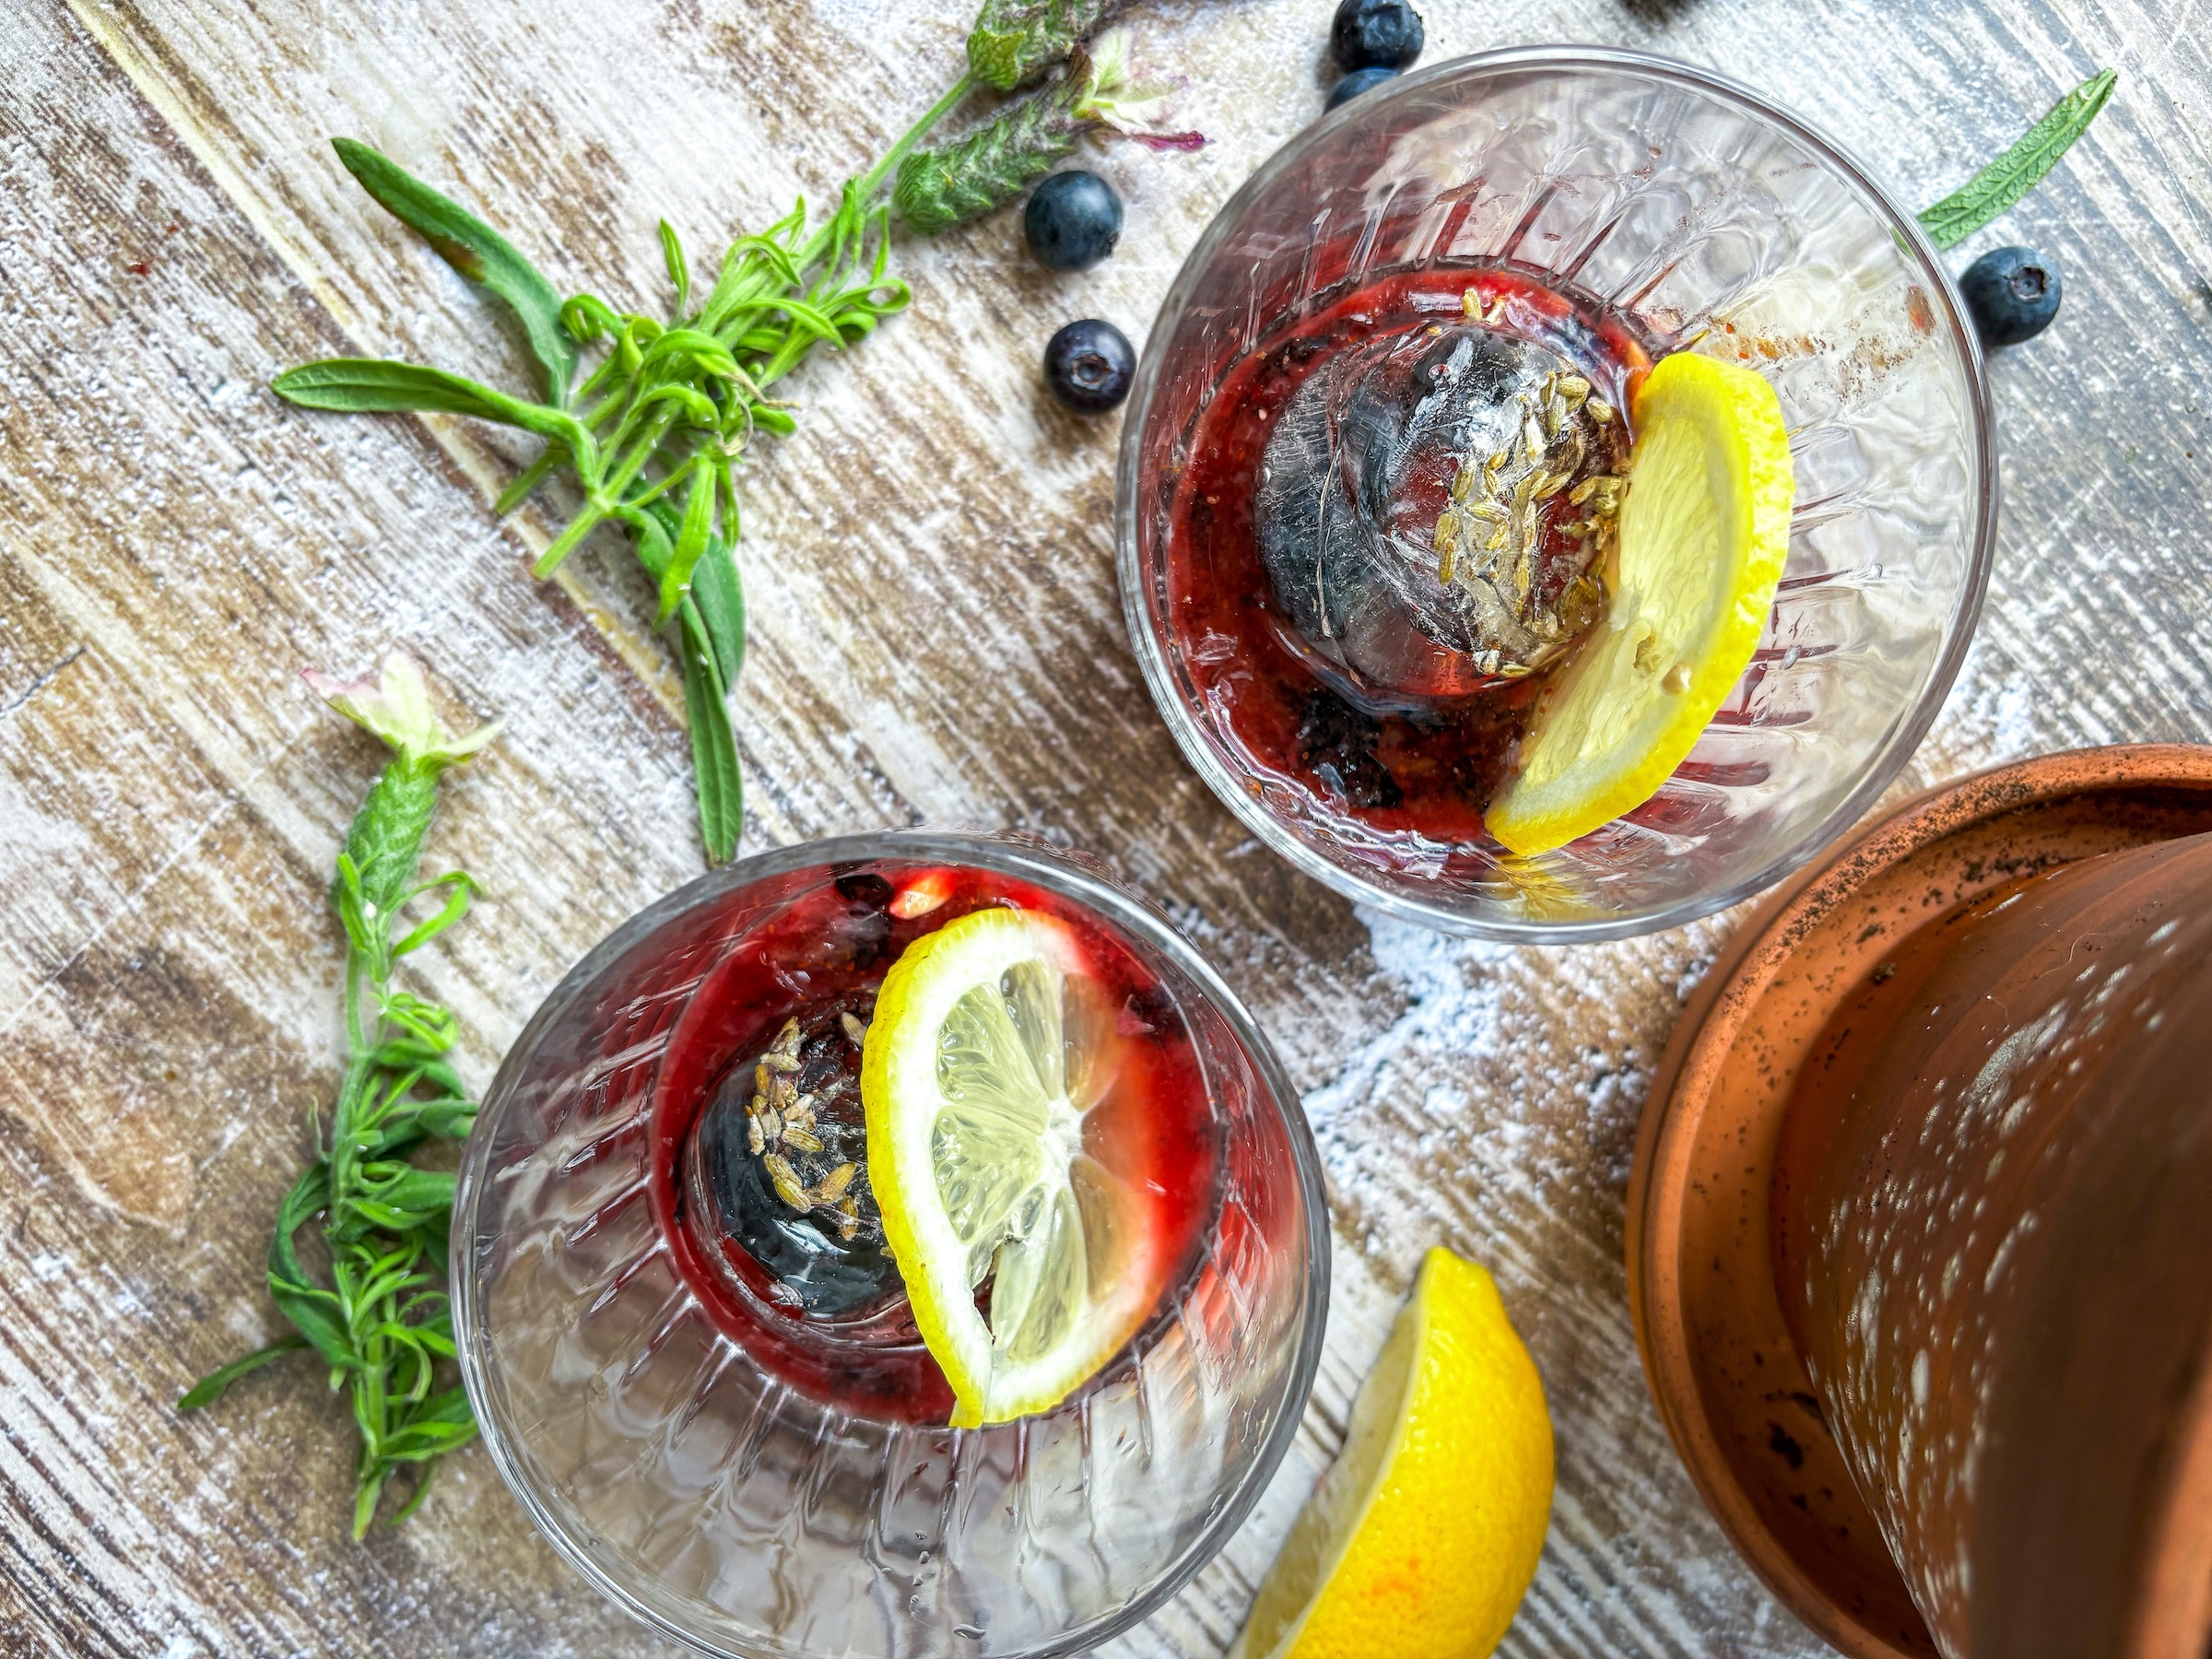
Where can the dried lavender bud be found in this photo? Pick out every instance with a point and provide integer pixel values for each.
(1016, 40)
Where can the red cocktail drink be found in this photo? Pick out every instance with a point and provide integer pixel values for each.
(1393, 525)
(760, 1172)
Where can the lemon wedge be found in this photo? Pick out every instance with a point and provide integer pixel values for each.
(1424, 1535)
(1703, 531)
(990, 1044)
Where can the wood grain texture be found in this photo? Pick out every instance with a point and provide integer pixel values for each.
(937, 637)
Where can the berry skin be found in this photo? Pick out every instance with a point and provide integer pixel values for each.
(1376, 34)
(1072, 221)
(1089, 365)
(1359, 81)
(2012, 293)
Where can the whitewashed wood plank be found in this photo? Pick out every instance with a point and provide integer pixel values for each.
(933, 514)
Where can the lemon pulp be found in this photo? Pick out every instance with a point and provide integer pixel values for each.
(1423, 1536)
(1704, 530)
(991, 1046)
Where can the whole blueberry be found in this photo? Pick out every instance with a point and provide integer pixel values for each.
(1376, 34)
(1359, 81)
(1089, 365)
(2013, 294)
(1072, 221)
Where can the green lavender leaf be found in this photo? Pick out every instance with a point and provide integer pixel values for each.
(713, 745)
(1016, 40)
(2013, 175)
(690, 541)
(374, 385)
(708, 354)
(209, 1388)
(425, 1063)
(679, 272)
(316, 1314)
(478, 252)
(459, 887)
(443, 1424)
(720, 597)
(447, 1119)
(717, 595)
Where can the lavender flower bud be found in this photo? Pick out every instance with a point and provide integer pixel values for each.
(1016, 40)
(938, 189)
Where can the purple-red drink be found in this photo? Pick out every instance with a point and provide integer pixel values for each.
(1375, 561)
(759, 1179)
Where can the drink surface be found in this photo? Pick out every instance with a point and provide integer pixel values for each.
(760, 1169)
(1394, 524)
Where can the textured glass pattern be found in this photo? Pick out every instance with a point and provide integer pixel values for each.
(747, 1518)
(1715, 224)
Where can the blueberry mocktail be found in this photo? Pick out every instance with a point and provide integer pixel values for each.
(1394, 525)
(773, 1208)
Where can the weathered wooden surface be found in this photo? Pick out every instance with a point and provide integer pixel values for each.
(936, 636)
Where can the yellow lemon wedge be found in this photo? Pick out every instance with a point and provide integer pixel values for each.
(1704, 529)
(990, 1046)
(1424, 1535)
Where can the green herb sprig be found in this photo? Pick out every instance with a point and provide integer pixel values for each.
(949, 185)
(377, 1315)
(2012, 175)
(652, 437)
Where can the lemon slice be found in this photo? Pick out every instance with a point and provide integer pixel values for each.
(1424, 1535)
(1703, 531)
(990, 1044)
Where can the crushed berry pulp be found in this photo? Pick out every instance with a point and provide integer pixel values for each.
(759, 1148)
(1372, 574)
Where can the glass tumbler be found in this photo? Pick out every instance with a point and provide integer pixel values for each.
(725, 1499)
(1707, 220)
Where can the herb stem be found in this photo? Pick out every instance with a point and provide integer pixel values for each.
(873, 179)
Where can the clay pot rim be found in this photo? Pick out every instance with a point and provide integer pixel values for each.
(1661, 1189)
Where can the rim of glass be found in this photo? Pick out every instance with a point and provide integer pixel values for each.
(1045, 869)
(1887, 762)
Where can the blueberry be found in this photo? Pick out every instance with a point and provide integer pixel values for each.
(1336, 743)
(1072, 221)
(1089, 365)
(1376, 34)
(2012, 293)
(1359, 81)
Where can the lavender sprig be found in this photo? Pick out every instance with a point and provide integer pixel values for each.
(649, 417)
(378, 1316)
(953, 183)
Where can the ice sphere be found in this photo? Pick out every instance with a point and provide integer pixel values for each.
(1426, 510)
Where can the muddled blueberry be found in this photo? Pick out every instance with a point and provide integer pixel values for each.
(1072, 221)
(864, 886)
(1359, 81)
(1089, 365)
(2012, 294)
(1372, 34)
(1337, 743)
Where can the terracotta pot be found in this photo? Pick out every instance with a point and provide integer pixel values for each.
(1740, 1403)
(1992, 1225)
